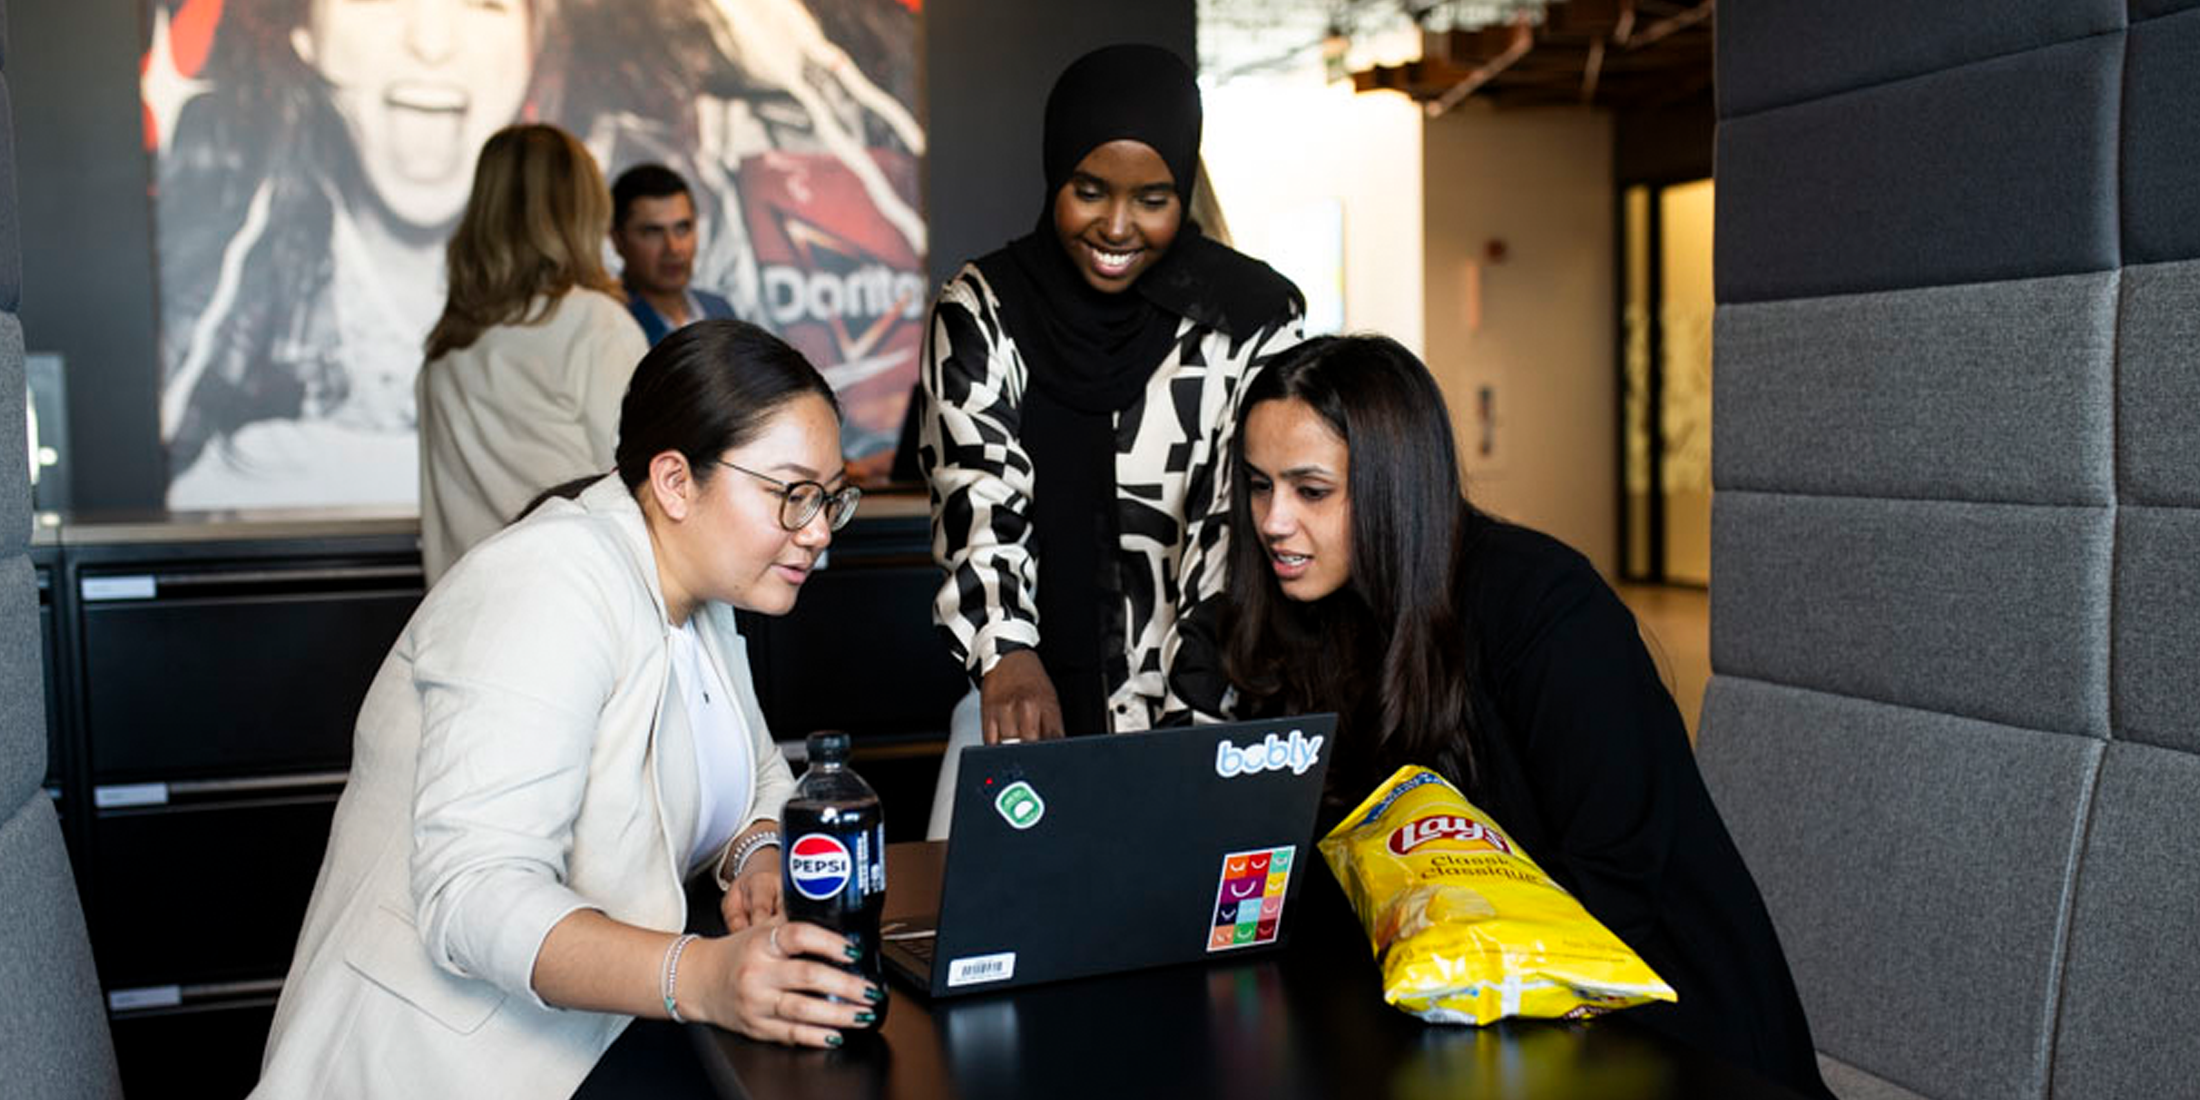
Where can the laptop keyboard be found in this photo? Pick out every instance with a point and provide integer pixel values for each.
(919, 948)
(913, 941)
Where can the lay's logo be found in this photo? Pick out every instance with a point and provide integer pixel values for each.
(1466, 830)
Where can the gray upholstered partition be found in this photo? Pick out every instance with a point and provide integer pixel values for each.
(53, 1034)
(1956, 537)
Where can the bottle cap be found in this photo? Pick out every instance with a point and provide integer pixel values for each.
(829, 746)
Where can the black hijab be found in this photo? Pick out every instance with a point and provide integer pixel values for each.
(1089, 353)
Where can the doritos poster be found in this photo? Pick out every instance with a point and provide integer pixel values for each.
(310, 158)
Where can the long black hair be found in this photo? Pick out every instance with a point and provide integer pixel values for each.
(1388, 650)
(707, 388)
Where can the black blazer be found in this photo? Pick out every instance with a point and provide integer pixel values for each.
(1582, 756)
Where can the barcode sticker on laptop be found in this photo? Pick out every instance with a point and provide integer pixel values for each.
(981, 968)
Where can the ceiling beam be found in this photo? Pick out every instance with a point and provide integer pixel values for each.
(1522, 39)
(1664, 27)
(1598, 53)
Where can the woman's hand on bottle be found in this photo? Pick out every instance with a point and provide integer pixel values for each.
(1016, 701)
(770, 981)
(754, 898)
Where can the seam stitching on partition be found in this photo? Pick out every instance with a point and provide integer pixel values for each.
(1982, 285)
(2066, 919)
(1904, 78)
(1881, 497)
(1859, 292)
(1769, 681)
(2159, 16)
(2109, 676)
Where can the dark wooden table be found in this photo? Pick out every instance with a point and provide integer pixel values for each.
(1308, 1021)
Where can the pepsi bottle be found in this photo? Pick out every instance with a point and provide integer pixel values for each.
(835, 864)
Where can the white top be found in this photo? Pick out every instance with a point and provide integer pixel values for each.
(515, 760)
(723, 755)
(521, 409)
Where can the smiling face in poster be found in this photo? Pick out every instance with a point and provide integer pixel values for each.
(420, 85)
(311, 158)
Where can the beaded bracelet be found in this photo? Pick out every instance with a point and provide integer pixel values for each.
(672, 974)
(738, 858)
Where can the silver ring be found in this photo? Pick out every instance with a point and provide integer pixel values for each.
(776, 949)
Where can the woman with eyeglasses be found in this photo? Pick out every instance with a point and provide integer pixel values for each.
(1363, 582)
(563, 735)
(526, 365)
(1077, 390)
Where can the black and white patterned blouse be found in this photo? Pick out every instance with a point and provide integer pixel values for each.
(1172, 489)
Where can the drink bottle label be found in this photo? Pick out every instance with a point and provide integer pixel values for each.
(819, 866)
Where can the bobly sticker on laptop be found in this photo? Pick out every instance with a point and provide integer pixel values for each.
(1249, 902)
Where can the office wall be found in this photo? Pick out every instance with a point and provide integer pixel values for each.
(1260, 149)
(87, 237)
(87, 230)
(1538, 183)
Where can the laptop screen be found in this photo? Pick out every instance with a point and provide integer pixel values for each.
(1097, 854)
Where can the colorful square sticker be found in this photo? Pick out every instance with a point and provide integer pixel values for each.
(1248, 909)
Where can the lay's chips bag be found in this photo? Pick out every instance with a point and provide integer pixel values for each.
(1467, 929)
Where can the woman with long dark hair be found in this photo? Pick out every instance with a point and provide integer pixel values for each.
(1078, 388)
(1362, 582)
(565, 732)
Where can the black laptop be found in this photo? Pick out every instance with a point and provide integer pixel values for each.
(1093, 855)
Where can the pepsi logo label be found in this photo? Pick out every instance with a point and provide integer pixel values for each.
(819, 866)
(1422, 830)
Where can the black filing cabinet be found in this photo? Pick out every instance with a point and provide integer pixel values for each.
(213, 679)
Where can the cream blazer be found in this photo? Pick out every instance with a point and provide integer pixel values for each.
(514, 761)
(522, 408)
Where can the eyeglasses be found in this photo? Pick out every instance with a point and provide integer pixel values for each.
(800, 501)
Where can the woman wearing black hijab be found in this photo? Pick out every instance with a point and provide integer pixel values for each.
(1079, 387)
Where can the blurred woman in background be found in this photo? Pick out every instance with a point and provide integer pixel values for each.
(532, 354)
